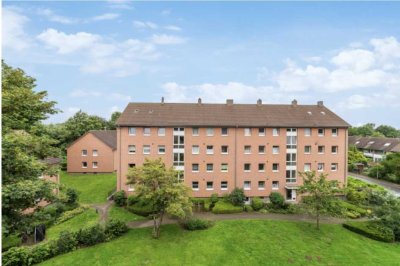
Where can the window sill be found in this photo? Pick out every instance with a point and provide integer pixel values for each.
(275, 188)
(195, 189)
(247, 189)
(261, 171)
(209, 189)
(275, 171)
(261, 188)
(224, 188)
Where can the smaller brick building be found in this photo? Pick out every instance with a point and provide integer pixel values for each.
(94, 152)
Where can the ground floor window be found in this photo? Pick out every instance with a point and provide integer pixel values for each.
(290, 194)
(195, 185)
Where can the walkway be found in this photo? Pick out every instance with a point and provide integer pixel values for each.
(102, 209)
(391, 187)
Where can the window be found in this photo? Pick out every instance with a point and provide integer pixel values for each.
(195, 131)
(307, 167)
(146, 149)
(224, 131)
(321, 149)
(334, 167)
(261, 185)
(334, 132)
(275, 184)
(261, 167)
(195, 185)
(130, 187)
(334, 149)
(290, 176)
(161, 131)
(132, 131)
(307, 149)
(94, 164)
(321, 132)
(210, 149)
(146, 131)
(320, 167)
(95, 153)
(210, 185)
(387, 144)
(307, 132)
(275, 167)
(247, 149)
(131, 149)
(224, 167)
(210, 131)
(224, 185)
(84, 164)
(290, 159)
(247, 131)
(161, 149)
(275, 149)
(291, 142)
(195, 149)
(247, 167)
(224, 149)
(247, 185)
(131, 165)
(261, 149)
(261, 131)
(179, 142)
(84, 152)
(179, 129)
(210, 167)
(275, 132)
(195, 167)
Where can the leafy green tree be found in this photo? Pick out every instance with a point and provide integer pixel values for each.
(318, 193)
(391, 166)
(365, 130)
(160, 187)
(112, 123)
(388, 131)
(237, 196)
(355, 156)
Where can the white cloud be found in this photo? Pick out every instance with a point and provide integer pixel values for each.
(164, 39)
(145, 25)
(107, 16)
(173, 28)
(13, 34)
(73, 110)
(52, 16)
(354, 59)
(120, 4)
(67, 43)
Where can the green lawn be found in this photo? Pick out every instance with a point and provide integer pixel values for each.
(245, 242)
(86, 218)
(122, 214)
(92, 188)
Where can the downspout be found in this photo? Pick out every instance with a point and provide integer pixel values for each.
(346, 157)
(119, 159)
(235, 176)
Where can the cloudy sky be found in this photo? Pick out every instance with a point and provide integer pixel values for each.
(98, 56)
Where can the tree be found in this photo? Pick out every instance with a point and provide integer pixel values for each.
(112, 123)
(355, 156)
(237, 196)
(160, 187)
(365, 130)
(388, 131)
(391, 166)
(319, 192)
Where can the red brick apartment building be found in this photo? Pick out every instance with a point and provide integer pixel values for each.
(257, 147)
(94, 152)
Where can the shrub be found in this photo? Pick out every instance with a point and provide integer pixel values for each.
(248, 208)
(41, 253)
(257, 204)
(66, 242)
(237, 197)
(263, 211)
(72, 196)
(70, 214)
(90, 236)
(115, 228)
(196, 224)
(10, 241)
(120, 198)
(370, 229)
(214, 199)
(226, 207)
(132, 200)
(352, 207)
(141, 208)
(15, 256)
(277, 200)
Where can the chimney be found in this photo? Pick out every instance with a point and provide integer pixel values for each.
(162, 100)
(229, 101)
(294, 102)
(259, 102)
(320, 103)
(199, 101)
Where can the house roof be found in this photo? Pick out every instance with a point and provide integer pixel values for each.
(376, 143)
(229, 115)
(108, 137)
(51, 160)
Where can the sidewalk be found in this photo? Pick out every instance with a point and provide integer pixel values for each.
(391, 187)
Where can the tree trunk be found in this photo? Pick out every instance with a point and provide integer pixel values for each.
(317, 219)
(157, 224)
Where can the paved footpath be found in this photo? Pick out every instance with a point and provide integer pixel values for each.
(391, 187)
(102, 209)
(244, 216)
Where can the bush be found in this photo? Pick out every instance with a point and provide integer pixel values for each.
(115, 228)
(70, 214)
(41, 253)
(257, 204)
(15, 256)
(277, 200)
(214, 199)
(196, 224)
(120, 198)
(353, 208)
(237, 197)
(141, 208)
(222, 207)
(10, 241)
(248, 208)
(132, 200)
(72, 196)
(370, 229)
(66, 242)
(90, 236)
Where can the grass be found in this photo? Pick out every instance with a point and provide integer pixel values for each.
(122, 214)
(240, 242)
(92, 188)
(86, 218)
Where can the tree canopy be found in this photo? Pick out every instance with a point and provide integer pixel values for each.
(370, 130)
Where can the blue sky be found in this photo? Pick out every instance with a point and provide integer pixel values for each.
(98, 56)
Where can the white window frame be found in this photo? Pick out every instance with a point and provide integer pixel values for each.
(263, 170)
(195, 149)
(161, 131)
(258, 185)
(131, 187)
(212, 185)
(198, 168)
(84, 152)
(307, 132)
(323, 149)
(247, 131)
(335, 134)
(145, 147)
(224, 188)
(210, 151)
(275, 132)
(195, 131)
(318, 167)
(323, 132)
(247, 151)
(249, 185)
(308, 166)
(95, 165)
(334, 167)
(309, 152)
(227, 167)
(210, 131)
(84, 166)
(129, 149)
(212, 168)
(336, 148)
(132, 131)
(244, 167)
(158, 148)
(275, 148)
(227, 131)
(227, 149)
(198, 185)
(95, 153)
(275, 187)
(146, 133)
(277, 170)
(262, 133)
(263, 152)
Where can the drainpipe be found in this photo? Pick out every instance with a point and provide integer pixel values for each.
(235, 177)
(119, 159)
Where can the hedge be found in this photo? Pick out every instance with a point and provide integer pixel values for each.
(141, 208)
(196, 224)
(70, 214)
(222, 207)
(371, 229)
